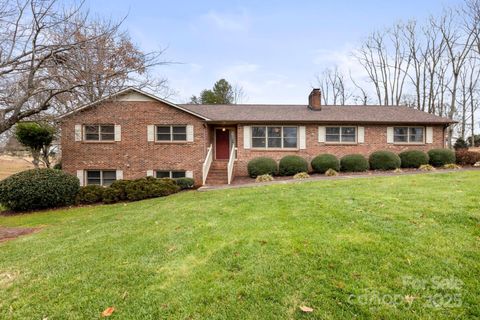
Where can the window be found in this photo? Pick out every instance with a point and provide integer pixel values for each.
(341, 134)
(171, 133)
(97, 132)
(170, 174)
(408, 135)
(101, 177)
(274, 137)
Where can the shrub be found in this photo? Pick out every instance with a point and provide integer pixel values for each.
(264, 178)
(452, 166)
(384, 160)
(354, 163)
(331, 173)
(38, 189)
(291, 165)
(323, 162)
(426, 167)
(90, 194)
(58, 166)
(185, 183)
(467, 158)
(413, 158)
(117, 190)
(460, 144)
(112, 195)
(441, 157)
(301, 175)
(150, 187)
(262, 165)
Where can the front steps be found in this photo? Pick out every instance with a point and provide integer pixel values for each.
(218, 174)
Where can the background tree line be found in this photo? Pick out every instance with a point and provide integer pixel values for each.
(430, 65)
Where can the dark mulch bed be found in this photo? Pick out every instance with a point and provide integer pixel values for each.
(7, 233)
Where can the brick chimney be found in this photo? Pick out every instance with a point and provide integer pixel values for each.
(314, 100)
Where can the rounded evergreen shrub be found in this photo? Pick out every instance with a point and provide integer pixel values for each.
(413, 158)
(112, 195)
(38, 189)
(323, 162)
(185, 183)
(291, 165)
(384, 160)
(354, 163)
(441, 157)
(150, 187)
(90, 194)
(262, 165)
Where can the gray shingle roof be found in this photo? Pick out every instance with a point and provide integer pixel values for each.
(301, 113)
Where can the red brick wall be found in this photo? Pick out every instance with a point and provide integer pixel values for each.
(133, 154)
(375, 139)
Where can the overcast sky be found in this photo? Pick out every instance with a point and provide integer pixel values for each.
(273, 49)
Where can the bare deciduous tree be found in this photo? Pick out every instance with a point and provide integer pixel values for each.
(53, 57)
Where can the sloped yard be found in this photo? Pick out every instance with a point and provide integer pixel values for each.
(400, 247)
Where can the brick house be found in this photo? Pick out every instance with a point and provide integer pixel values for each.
(134, 134)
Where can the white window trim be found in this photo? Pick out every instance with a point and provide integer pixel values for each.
(340, 135)
(84, 132)
(101, 176)
(171, 133)
(408, 136)
(266, 138)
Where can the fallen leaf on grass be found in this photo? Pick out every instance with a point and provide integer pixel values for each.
(108, 312)
(306, 309)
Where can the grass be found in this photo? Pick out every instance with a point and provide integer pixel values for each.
(256, 253)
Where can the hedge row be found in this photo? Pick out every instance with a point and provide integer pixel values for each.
(50, 188)
(378, 160)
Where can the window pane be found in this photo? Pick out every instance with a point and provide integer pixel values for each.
(348, 134)
(258, 142)
(180, 130)
(290, 132)
(274, 142)
(162, 174)
(91, 133)
(109, 177)
(163, 129)
(332, 134)
(179, 137)
(274, 132)
(107, 129)
(178, 174)
(400, 134)
(107, 132)
(416, 134)
(290, 142)
(93, 177)
(258, 132)
(332, 130)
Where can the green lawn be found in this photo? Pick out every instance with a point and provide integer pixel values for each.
(343, 248)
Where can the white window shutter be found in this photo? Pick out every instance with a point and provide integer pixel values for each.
(190, 133)
(390, 135)
(247, 137)
(321, 134)
(361, 135)
(80, 177)
(189, 174)
(149, 173)
(429, 135)
(119, 174)
(118, 133)
(303, 137)
(78, 132)
(151, 133)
